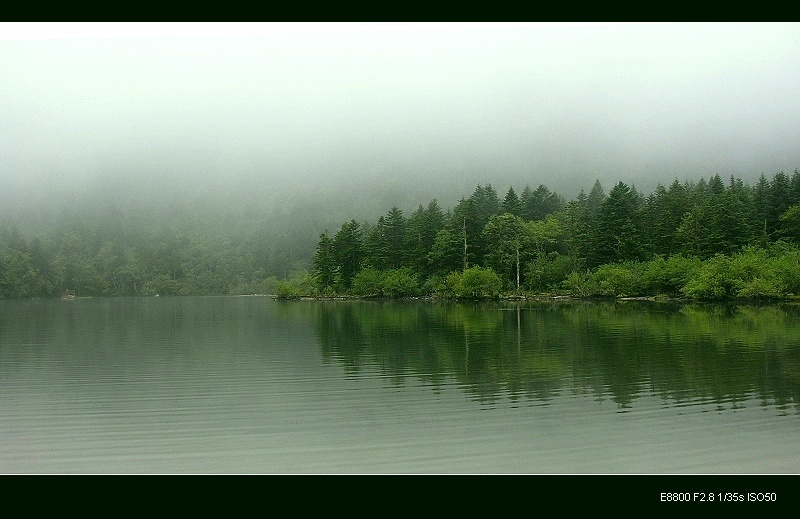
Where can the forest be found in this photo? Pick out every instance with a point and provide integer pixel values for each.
(710, 239)
(700, 240)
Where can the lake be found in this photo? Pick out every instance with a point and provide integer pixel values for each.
(253, 385)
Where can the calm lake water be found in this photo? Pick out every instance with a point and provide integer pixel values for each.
(252, 385)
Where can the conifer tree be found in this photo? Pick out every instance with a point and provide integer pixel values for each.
(511, 203)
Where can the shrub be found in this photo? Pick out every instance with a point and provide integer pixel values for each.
(667, 276)
(475, 282)
(368, 282)
(548, 271)
(762, 288)
(400, 282)
(713, 280)
(577, 284)
(617, 279)
(302, 285)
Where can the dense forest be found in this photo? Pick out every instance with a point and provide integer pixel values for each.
(710, 239)
(704, 240)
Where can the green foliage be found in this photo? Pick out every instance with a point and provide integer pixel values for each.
(507, 240)
(790, 224)
(668, 276)
(619, 234)
(714, 280)
(423, 226)
(325, 268)
(753, 273)
(577, 284)
(400, 282)
(161, 285)
(617, 279)
(696, 240)
(474, 283)
(368, 282)
(548, 271)
(762, 288)
(511, 203)
(348, 252)
(539, 203)
(18, 276)
(447, 252)
(296, 287)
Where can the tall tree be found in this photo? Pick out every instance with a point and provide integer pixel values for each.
(779, 200)
(376, 246)
(591, 222)
(620, 227)
(446, 253)
(761, 203)
(422, 227)
(348, 251)
(539, 203)
(324, 264)
(511, 203)
(507, 238)
(469, 218)
(795, 183)
(395, 229)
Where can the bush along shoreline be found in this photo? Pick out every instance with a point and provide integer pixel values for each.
(752, 274)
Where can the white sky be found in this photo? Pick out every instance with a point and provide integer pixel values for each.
(427, 104)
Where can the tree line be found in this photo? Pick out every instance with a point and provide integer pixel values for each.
(109, 252)
(708, 239)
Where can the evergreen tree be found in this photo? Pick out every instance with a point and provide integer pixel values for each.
(422, 227)
(511, 203)
(795, 188)
(620, 227)
(578, 230)
(469, 218)
(348, 251)
(324, 265)
(761, 203)
(666, 208)
(790, 224)
(376, 246)
(590, 225)
(447, 252)
(780, 195)
(540, 203)
(395, 231)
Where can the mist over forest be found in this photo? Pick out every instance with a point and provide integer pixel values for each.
(261, 139)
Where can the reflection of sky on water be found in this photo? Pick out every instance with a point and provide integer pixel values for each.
(228, 385)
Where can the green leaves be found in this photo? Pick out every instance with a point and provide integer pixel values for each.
(474, 283)
(370, 282)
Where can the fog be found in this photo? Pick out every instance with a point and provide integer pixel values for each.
(366, 116)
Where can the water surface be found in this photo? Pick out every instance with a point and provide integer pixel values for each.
(248, 384)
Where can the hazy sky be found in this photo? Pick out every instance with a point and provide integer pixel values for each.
(254, 106)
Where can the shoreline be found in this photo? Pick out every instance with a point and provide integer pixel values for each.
(552, 298)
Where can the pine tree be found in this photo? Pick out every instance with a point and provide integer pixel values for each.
(348, 251)
(395, 229)
(780, 194)
(620, 226)
(324, 264)
(540, 203)
(377, 250)
(591, 223)
(511, 203)
(761, 195)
